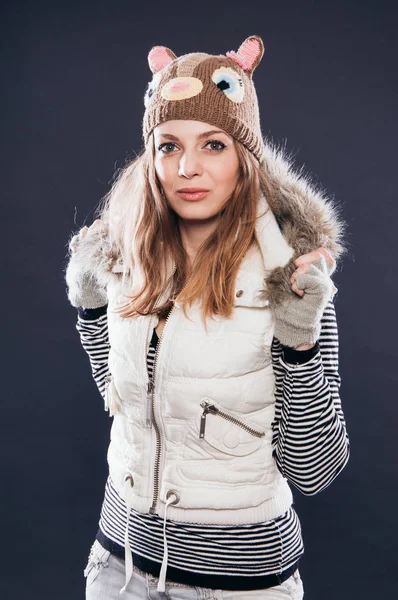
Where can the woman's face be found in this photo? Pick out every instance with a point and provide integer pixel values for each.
(187, 155)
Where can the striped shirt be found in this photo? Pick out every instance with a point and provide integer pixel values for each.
(310, 446)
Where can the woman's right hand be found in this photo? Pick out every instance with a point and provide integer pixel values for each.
(73, 244)
(83, 288)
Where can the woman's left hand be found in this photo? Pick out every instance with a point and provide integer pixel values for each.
(298, 318)
(303, 263)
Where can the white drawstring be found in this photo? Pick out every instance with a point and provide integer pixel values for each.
(162, 576)
(128, 556)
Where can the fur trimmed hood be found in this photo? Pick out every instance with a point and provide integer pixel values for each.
(301, 218)
(306, 216)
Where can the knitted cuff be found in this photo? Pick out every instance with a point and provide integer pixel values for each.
(90, 314)
(299, 357)
(296, 336)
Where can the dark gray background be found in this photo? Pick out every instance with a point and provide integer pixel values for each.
(74, 77)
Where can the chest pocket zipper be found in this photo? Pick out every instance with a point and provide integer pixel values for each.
(210, 408)
(107, 394)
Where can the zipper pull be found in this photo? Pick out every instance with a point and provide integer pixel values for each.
(202, 424)
(207, 408)
(148, 421)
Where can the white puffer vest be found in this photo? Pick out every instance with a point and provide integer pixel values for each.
(195, 446)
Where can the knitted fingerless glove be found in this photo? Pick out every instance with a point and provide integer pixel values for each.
(298, 319)
(84, 289)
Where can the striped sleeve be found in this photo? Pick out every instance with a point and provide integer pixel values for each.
(310, 441)
(92, 325)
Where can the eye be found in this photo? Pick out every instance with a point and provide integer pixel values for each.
(216, 142)
(148, 93)
(162, 146)
(230, 83)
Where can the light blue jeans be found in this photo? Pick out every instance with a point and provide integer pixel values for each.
(105, 576)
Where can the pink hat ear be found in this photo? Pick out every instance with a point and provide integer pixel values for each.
(159, 57)
(249, 54)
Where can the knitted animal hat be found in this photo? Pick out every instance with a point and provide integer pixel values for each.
(216, 89)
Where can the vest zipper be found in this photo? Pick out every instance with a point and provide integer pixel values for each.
(148, 423)
(210, 408)
(155, 497)
(152, 509)
(150, 383)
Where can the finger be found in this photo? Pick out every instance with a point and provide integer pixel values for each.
(96, 227)
(324, 266)
(84, 231)
(307, 258)
(297, 290)
(314, 256)
(331, 261)
(301, 269)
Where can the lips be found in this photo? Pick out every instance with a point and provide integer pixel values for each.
(193, 196)
(192, 190)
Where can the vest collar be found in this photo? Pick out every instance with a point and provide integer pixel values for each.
(294, 218)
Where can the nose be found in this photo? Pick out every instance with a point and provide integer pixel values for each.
(189, 164)
(181, 88)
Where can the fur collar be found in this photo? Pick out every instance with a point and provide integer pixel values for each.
(306, 219)
(300, 219)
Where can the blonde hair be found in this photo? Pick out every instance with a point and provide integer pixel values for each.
(145, 229)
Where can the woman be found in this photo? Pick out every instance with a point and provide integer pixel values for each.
(209, 322)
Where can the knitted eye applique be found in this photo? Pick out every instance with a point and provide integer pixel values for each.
(151, 88)
(230, 83)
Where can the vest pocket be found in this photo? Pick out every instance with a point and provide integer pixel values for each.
(228, 431)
